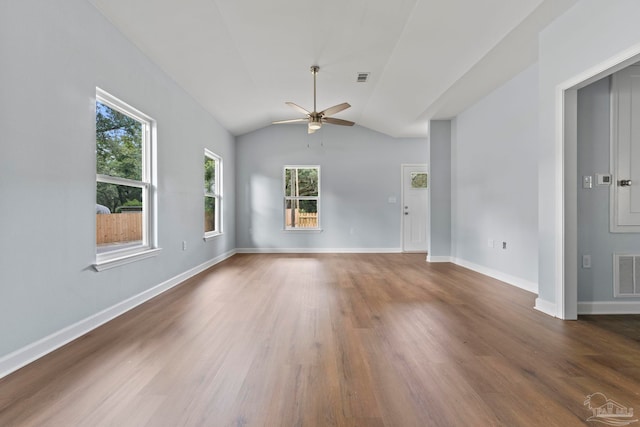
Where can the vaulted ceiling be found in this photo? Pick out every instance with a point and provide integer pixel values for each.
(242, 59)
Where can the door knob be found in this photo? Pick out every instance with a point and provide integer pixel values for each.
(624, 183)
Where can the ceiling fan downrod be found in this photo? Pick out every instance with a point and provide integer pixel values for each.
(314, 71)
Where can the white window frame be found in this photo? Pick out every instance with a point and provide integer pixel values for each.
(148, 247)
(216, 194)
(294, 198)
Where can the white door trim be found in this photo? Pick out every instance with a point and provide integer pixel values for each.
(401, 210)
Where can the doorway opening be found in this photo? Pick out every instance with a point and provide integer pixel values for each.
(567, 192)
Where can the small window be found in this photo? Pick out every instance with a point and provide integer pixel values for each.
(418, 180)
(212, 194)
(302, 197)
(124, 206)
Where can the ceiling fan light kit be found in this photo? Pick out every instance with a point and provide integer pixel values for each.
(314, 118)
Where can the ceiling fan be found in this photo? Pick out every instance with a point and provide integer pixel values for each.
(314, 118)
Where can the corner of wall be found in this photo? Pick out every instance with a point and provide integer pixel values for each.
(545, 307)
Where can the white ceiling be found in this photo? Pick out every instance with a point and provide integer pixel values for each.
(242, 59)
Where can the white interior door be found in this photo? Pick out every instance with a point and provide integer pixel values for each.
(414, 208)
(626, 150)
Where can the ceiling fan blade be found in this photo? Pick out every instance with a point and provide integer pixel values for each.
(335, 109)
(297, 107)
(335, 121)
(315, 119)
(279, 122)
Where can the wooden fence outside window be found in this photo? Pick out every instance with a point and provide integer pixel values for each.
(118, 227)
(302, 219)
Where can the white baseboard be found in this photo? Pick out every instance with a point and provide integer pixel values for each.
(439, 258)
(503, 277)
(609, 307)
(21, 357)
(546, 307)
(318, 250)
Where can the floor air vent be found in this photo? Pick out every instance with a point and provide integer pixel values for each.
(626, 275)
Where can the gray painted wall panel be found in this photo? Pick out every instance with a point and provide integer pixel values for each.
(47, 168)
(494, 191)
(360, 170)
(440, 188)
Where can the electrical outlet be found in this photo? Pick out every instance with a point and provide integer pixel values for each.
(586, 261)
(504, 245)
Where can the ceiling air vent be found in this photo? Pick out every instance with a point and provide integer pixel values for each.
(362, 77)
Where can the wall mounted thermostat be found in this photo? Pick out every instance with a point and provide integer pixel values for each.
(603, 179)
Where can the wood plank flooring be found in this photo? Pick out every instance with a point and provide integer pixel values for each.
(332, 340)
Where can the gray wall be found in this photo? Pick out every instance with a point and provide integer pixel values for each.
(594, 238)
(54, 54)
(588, 35)
(439, 189)
(494, 185)
(360, 171)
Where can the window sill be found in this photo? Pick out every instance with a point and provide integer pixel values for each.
(210, 236)
(117, 261)
(302, 230)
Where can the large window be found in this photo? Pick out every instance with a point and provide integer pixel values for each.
(301, 197)
(212, 194)
(123, 179)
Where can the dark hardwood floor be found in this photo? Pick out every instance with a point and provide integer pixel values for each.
(332, 340)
